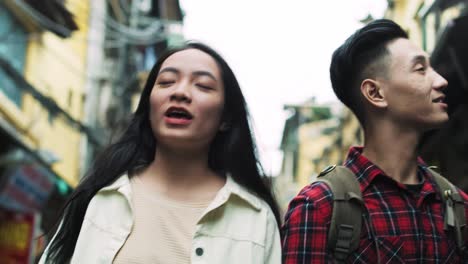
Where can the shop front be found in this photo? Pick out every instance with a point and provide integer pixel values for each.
(27, 189)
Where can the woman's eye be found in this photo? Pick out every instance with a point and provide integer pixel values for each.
(422, 69)
(165, 83)
(204, 86)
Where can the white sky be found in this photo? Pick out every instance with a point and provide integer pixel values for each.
(280, 52)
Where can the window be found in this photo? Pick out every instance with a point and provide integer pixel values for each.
(13, 41)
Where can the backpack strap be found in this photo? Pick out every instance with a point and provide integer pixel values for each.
(454, 217)
(346, 221)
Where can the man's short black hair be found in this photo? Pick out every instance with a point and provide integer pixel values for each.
(363, 55)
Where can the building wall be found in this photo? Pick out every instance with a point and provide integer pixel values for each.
(348, 133)
(312, 138)
(312, 142)
(56, 67)
(423, 32)
(320, 143)
(404, 13)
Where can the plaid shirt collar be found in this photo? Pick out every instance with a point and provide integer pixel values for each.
(367, 172)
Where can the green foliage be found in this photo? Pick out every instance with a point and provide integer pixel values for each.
(320, 113)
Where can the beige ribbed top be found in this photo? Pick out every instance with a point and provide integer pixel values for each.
(162, 231)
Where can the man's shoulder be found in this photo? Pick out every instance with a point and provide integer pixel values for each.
(464, 196)
(316, 193)
(313, 205)
(434, 175)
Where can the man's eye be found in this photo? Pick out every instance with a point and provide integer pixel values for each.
(422, 69)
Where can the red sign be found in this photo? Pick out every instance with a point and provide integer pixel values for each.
(17, 241)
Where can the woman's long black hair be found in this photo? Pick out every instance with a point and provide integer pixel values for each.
(231, 151)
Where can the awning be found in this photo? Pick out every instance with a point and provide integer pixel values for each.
(26, 179)
(49, 15)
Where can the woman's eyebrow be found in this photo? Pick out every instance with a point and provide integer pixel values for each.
(170, 69)
(204, 73)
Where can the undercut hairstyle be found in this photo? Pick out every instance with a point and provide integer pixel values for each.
(363, 55)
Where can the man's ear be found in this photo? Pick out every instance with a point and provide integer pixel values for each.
(373, 93)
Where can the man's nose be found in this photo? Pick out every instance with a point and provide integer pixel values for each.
(440, 83)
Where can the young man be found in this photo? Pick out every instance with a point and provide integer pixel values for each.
(389, 84)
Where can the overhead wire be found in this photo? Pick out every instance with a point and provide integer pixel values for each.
(119, 35)
(152, 33)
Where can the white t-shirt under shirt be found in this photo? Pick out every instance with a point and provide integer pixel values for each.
(163, 228)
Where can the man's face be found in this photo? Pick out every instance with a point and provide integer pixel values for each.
(412, 89)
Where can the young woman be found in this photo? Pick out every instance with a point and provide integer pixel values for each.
(183, 184)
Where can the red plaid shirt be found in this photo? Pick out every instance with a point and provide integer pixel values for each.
(408, 226)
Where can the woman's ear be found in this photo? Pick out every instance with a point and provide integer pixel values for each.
(373, 93)
(225, 126)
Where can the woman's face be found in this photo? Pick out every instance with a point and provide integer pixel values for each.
(187, 100)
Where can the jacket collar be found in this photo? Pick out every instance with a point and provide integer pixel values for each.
(117, 184)
(233, 188)
(122, 185)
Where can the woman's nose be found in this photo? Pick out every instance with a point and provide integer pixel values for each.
(181, 93)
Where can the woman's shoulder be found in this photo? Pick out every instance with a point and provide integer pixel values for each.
(112, 199)
(120, 182)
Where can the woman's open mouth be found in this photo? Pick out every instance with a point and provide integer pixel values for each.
(178, 116)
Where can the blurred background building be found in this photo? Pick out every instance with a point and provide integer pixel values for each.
(311, 143)
(70, 71)
(314, 136)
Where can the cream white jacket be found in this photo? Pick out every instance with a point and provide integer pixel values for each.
(237, 227)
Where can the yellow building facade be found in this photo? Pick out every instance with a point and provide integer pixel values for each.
(309, 145)
(54, 66)
(314, 137)
(420, 19)
(404, 13)
(348, 133)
